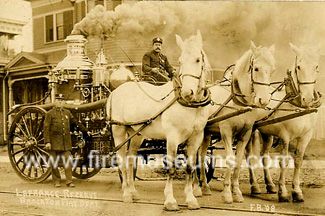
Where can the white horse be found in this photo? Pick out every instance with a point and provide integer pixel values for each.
(304, 74)
(250, 86)
(134, 102)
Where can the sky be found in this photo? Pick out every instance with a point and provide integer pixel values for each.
(19, 10)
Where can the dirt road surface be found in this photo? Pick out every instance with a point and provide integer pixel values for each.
(101, 195)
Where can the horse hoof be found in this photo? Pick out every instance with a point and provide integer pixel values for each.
(171, 206)
(193, 205)
(237, 195)
(297, 197)
(227, 198)
(127, 199)
(238, 198)
(255, 190)
(197, 192)
(271, 189)
(283, 198)
(135, 196)
(206, 191)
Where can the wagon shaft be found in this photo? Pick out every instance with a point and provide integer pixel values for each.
(284, 118)
(79, 108)
(229, 115)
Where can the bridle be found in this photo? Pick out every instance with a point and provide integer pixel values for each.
(206, 93)
(294, 89)
(254, 82)
(300, 83)
(201, 72)
(236, 90)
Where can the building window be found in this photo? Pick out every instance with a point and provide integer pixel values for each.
(58, 26)
(49, 28)
(99, 2)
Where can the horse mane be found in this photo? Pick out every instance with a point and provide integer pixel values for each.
(208, 68)
(261, 52)
(241, 63)
(309, 51)
(191, 44)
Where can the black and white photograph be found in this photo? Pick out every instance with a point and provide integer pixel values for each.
(136, 107)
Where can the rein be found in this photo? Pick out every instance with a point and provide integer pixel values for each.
(293, 96)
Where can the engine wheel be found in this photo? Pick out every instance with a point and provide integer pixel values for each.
(26, 145)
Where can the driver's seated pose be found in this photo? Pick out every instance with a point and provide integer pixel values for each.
(155, 64)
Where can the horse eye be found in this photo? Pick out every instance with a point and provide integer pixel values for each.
(256, 69)
(298, 67)
(316, 68)
(198, 60)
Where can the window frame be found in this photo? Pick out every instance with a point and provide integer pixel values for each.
(54, 21)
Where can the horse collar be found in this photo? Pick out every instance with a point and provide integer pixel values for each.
(195, 104)
(236, 92)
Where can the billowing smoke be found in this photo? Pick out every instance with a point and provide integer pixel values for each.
(226, 27)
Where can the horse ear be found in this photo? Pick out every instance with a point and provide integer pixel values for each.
(253, 46)
(295, 48)
(199, 36)
(179, 41)
(272, 49)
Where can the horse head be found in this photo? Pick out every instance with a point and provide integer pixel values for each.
(193, 67)
(252, 75)
(305, 73)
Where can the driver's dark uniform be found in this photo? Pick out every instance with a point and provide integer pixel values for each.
(153, 59)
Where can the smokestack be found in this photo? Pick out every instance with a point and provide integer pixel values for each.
(76, 58)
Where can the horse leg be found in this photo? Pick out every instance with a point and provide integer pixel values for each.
(240, 151)
(283, 194)
(120, 134)
(203, 179)
(192, 148)
(170, 203)
(297, 195)
(251, 153)
(226, 135)
(132, 154)
(196, 187)
(267, 145)
(205, 145)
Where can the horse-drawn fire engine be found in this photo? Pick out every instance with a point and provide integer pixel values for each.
(86, 87)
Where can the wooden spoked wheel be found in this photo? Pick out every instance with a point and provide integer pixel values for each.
(26, 145)
(87, 161)
(84, 169)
